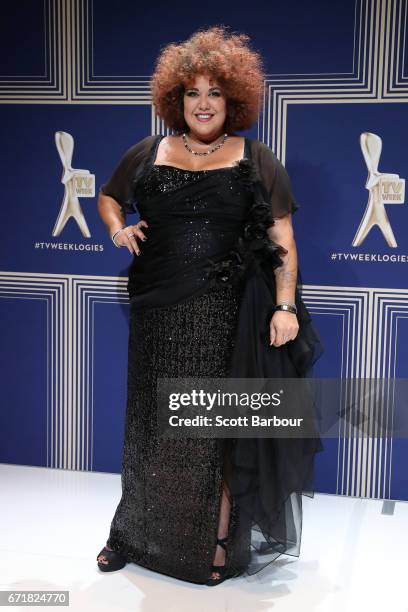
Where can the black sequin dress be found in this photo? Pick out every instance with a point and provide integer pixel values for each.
(194, 288)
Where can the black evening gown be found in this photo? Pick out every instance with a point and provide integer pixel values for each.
(201, 295)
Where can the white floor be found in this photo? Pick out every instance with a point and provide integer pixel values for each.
(54, 522)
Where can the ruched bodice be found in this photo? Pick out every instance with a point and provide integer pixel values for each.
(192, 216)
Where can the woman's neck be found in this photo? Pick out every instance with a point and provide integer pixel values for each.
(203, 140)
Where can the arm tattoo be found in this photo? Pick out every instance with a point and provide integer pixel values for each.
(285, 278)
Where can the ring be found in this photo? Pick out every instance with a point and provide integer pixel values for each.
(130, 235)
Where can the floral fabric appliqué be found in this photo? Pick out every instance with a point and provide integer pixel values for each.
(253, 247)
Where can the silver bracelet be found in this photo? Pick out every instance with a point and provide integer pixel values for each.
(115, 234)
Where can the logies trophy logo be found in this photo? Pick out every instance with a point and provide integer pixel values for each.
(78, 183)
(382, 188)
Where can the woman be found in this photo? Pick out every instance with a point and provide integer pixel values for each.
(215, 268)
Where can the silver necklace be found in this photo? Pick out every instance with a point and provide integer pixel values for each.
(214, 148)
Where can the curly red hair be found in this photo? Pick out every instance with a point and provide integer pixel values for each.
(227, 58)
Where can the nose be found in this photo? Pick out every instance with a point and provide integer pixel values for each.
(203, 103)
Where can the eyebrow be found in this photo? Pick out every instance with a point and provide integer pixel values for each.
(196, 88)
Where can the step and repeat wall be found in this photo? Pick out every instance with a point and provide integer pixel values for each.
(74, 95)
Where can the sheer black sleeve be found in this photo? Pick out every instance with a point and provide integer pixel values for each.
(120, 186)
(276, 181)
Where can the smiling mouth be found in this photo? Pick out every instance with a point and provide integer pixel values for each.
(204, 117)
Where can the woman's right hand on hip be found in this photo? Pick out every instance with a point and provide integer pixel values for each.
(129, 236)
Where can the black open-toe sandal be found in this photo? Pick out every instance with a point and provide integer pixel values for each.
(220, 569)
(115, 561)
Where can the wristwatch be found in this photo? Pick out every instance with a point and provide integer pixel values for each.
(286, 306)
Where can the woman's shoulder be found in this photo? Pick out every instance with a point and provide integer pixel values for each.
(261, 150)
(142, 145)
(264, 159)
(137, 152)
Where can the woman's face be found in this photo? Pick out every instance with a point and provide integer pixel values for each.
(205, 108)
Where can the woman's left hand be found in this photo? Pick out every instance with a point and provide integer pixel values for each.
(283, 327)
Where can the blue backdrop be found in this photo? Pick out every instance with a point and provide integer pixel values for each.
(334, 71)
